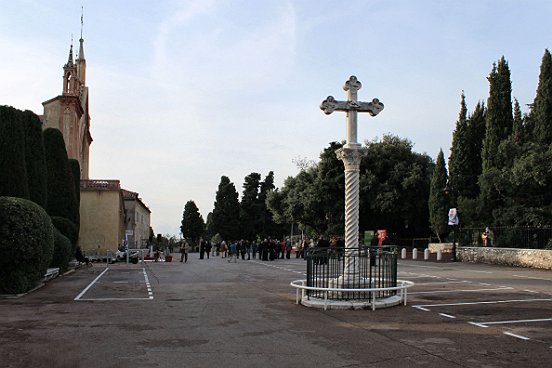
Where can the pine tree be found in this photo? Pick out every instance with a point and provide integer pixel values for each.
(542, 105)
(226, 212)
(438, 202)
(192, 225)
(459, 159)
(13, 167)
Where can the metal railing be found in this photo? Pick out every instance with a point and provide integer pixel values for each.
(369, 267)
(507, 237)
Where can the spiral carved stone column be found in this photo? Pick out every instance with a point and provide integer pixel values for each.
(351, 155)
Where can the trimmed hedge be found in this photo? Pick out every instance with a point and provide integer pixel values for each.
(13, 168)
(26, 244)
(34, 158)
(62, 200)
(63, 251)
(68, 229)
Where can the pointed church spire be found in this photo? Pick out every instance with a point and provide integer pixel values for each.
(70, 59)
(81, 62)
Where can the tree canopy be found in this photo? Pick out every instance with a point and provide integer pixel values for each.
(192, 225)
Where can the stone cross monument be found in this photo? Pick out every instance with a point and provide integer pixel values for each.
(351, 154)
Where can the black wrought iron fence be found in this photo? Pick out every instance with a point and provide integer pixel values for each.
(363, 268)
(506, 237)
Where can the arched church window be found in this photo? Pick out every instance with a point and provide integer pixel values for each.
(68, 87)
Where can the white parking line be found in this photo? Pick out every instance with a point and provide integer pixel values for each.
(90, 285)
(447, 315)
(517, 336)
(486, 324)
(148, 286)
(477, 303)
(458, 291)
(533, 278)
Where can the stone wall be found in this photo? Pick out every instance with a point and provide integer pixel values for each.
(534, 258)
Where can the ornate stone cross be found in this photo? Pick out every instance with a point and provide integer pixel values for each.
(352, 106)
(351, 155)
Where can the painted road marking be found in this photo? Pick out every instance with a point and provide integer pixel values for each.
(484, 302)
(447, 315)
(279, 268)
(533, 278)
(517, 336)
(421, 308)
(458, 291)
(90, 285)
(486, 324)
(478, 324)
(146, 279)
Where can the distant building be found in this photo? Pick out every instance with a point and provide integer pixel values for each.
(137, 220)
(102, 216)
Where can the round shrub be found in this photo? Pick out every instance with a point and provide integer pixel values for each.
(26, 244)
(63, 251)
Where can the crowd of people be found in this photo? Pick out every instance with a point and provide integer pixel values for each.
(268, 249)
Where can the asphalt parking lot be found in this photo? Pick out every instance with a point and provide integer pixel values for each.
(208, 313)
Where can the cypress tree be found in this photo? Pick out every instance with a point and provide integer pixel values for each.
(542, 105)
(499, 119)
(476, 135)
(250, 206)
(517, 131)
(34, 158)
(192, 225)
(267, 226)
(459, 164)
(226, 212)
(499, 125)
(62, 200)
(13, 168)
(438, 203)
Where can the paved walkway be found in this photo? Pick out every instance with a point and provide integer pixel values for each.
(211, 313)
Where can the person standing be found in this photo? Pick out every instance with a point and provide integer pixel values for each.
(233, 250)
(288, 249)
(184, 251)
(208, 248)
(254, 249)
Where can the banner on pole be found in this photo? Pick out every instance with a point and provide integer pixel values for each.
(453, 217)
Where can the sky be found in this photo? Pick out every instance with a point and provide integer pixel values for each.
(185, 91)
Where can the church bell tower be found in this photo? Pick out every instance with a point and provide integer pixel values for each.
(68, 112)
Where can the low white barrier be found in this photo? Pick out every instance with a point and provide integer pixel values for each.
(300, 285)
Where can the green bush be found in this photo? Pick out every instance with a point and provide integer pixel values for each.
(63, 251)
(67, 228)
(26, 244)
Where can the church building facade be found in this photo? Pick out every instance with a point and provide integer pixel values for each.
(104, 225)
